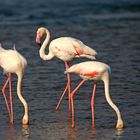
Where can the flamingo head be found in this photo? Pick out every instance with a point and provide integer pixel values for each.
(120, 124)
(40, 32)
(25, 120)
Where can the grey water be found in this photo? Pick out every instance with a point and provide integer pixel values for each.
(110, 27)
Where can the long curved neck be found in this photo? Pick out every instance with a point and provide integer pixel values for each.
(20, 76)
(43, 47)
(108, 98)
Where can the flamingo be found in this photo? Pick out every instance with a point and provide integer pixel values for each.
(96, 71)
(64, 48)
(13, 62)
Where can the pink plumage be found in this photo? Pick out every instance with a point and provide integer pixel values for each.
(64, 48)
(93, 70)
(13, 62)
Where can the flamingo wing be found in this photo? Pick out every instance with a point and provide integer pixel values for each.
(71, 47)
(82, 50)
(88, 69)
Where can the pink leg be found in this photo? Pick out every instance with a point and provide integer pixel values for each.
(11, 99)
(92, 104)
(68, 76)
(72, 100)
(4, 95)
(67, 87)
(62, 97)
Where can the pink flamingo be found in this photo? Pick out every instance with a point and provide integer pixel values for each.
(64, 48)
(13, 62)
(92, 70)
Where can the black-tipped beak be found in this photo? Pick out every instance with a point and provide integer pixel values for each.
(39, 44)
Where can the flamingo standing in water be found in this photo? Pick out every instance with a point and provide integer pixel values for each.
(92, 70)
(13, 62)
(64, 48)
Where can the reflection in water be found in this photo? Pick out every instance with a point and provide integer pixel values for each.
(93, 132)
(77, 133)
(25, 131)
(10, 133)
(116, 134)
(119, 133)
(72, 134)
(13, 134)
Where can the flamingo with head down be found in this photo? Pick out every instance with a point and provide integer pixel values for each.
(13, 62)
(96, 71)
(64, 48)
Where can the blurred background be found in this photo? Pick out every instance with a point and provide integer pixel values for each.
(110, 27)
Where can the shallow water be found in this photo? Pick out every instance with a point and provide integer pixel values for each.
(112, 29)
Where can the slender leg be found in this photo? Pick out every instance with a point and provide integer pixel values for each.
(62, 97)
(11, 99)
(92, 103)
(68, 83)
(66, 88)
(4, 95)
(72, 101)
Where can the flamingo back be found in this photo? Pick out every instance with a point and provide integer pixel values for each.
(89, 69)
(67, 48)
(12, 61)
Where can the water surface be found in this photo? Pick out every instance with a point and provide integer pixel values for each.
(112, 28)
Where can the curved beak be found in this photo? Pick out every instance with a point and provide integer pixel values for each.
(38, 40)
(39, 44)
